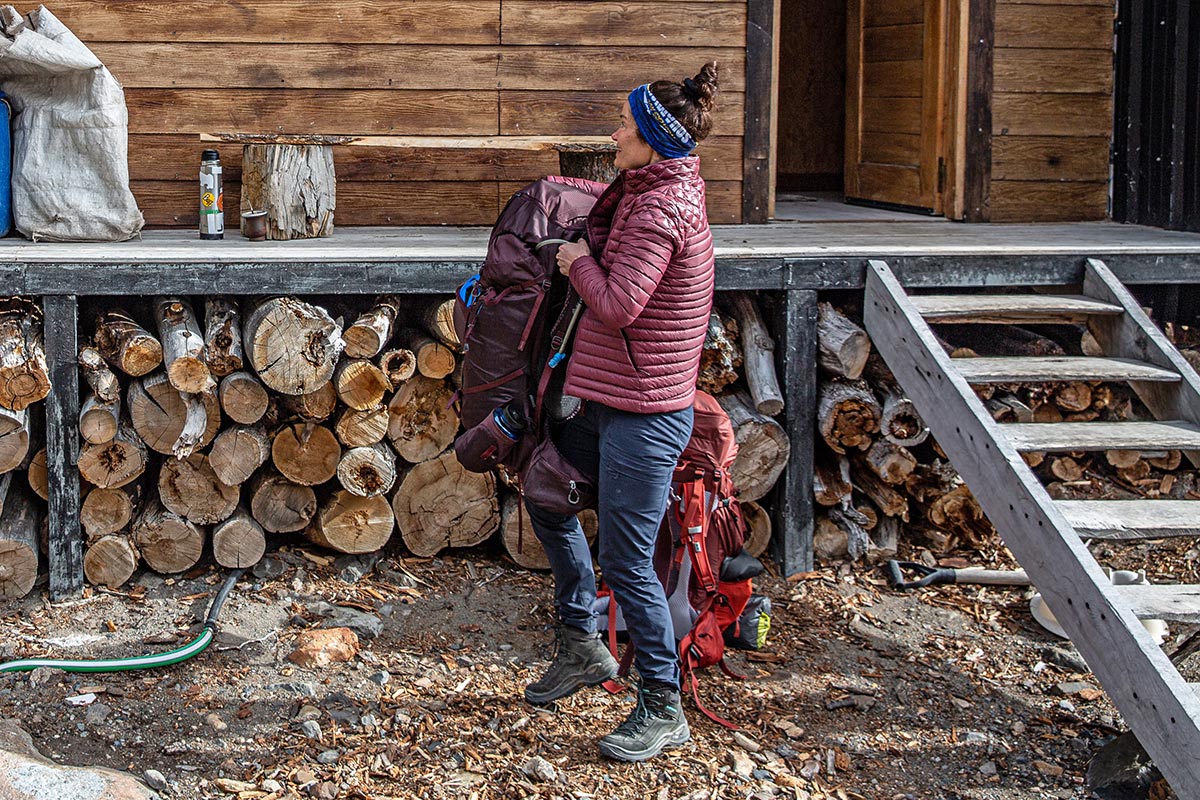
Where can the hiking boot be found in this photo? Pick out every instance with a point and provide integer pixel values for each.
(655, 724)
(580, 659)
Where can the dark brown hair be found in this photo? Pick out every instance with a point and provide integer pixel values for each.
(691, 100)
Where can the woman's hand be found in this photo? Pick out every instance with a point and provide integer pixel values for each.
(567, 253)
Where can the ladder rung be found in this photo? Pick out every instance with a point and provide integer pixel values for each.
(1041, 369)
(1048, 437)
(1132, 519)
(1169, 602)
(1009, 308)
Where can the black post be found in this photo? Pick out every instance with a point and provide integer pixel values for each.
(62, 446)
(796, 359)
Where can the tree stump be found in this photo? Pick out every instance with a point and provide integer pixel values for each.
(439, 504)
(352, 524)
(292, 345)
(295, 185)
(589, 161)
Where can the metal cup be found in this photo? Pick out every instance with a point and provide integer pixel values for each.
(254, 225)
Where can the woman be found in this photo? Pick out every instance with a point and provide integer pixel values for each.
(645, 274)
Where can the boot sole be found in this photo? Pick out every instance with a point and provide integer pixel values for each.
(618, 753)
(547, 699)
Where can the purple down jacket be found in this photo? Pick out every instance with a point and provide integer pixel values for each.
(637, 347)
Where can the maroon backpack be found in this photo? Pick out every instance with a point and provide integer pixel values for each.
(506, 317)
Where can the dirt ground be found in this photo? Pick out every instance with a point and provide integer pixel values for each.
(862, 691)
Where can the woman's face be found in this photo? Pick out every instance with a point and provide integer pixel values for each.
(632, 150)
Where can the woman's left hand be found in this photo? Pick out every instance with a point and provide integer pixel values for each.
(567, 253)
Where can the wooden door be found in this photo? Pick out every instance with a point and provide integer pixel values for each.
(895, 102)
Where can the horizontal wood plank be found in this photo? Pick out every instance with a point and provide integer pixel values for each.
(176, 204)
(1132, 519)
(1015, 113)
(614, 69)
(1056, 158)
(1032, 70)
(888, 183)
(1048, 201)
(1053, 369)
(891, 115)
(876, 13)
(891, 148)
(349, 21)
(590, 113)
(1047, 437)
(1010, 309)
(638, 23)
(299, 66)
(361, 112)
(724, 200)
(1066, 26)
(893, 79)
(893, 43)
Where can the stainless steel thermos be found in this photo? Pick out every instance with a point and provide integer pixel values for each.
(212, 199)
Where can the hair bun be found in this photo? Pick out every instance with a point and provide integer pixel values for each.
(691, 90)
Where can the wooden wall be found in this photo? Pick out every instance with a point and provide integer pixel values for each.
(1051, 110)
(403, 67)
(812, 95)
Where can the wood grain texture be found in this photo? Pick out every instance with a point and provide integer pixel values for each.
(1042, 70)
(596, 113)
(674, 24)
(1051, 114)
(349, 111)
(476, 22)
(1061, 158)
(1048, 201)
(1054, 26)
(299, 66)
(614, 69)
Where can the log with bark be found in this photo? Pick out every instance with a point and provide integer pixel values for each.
(422, 420)
(192, 490)
(237, 452)
(831, 478)
(183, 345)
(306, 453)
(842, 346)
(362, 428)
(239, 541)
(434, 359)
(315, 406)
(98, 419)
(437, 317)
(15, 438)
(352, 524)
(847, 415)
(126, 345)
(758, 529)
(279, 505)
(243, 397)
(763, 447)
(721, 356)
(114, 463)
(295, 184)
(222, 336)
(24, 377)
(368, 471)
(292, 345)
(20, 522)
(758, 356)
(371, 332)
(360, 384)
(892, 463)
(106, 511)
(39, 479)
(166, 541)
(958, 513)
(110, 560)
(439, 504)
(162, 416)
(887, 498)
(97, 374)
(899, 421)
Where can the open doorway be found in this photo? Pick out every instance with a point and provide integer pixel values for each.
(861, 110)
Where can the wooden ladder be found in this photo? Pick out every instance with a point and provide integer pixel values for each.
(1046, 535)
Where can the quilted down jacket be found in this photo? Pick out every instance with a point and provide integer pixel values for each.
(648, 297)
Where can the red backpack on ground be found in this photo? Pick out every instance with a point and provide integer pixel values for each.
(699, 557)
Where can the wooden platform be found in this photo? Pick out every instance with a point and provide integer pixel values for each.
(434, 259)
(795, 260)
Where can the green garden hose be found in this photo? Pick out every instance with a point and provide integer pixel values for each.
(176, 656)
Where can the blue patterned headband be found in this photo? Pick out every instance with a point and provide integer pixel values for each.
(665, 134)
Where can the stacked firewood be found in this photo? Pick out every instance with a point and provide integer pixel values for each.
(210, 425)
(878, 472)
(24, 382)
